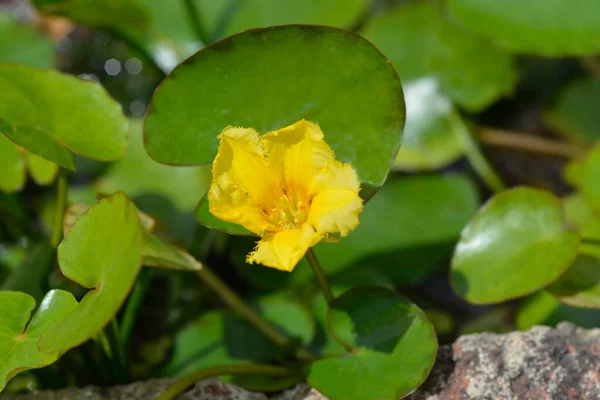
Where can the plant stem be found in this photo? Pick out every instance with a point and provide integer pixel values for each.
(62, 188)
(500, 138)
(593, 242)
(238, 305)
(133, 305)
(320, 276)
(474, 155)
(194, 16)
(118, 352)
(231, 369)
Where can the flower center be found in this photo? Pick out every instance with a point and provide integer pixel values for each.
(288, 214)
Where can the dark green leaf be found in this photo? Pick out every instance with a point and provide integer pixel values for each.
(579, 212)
(393, 347)
(516, 244)
(579, 286)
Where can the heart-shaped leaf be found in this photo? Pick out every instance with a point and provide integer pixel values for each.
(429, 140)
(41, 98)
(579, 286)
(101, 252)
(19, 334)
(421, 42)
(38, 142)
(392, 347)
(516, 244)
(546, 27)
(21, 44)
(274, 77)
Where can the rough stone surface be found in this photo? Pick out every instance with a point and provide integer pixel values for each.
(542, 363)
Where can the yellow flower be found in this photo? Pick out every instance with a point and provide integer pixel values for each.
(284, 186)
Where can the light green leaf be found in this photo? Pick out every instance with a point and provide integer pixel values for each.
(429, 140)
(37, 142)
(101, 252)
(571, 114)
(21, 43)
(12, 166)
(590, 176)
(516, 244)
(42, 171)
(543, 309)
(41, 99)
(420, 42)
(393, 347)
(19, 334)
(352, 93)
(545, 27)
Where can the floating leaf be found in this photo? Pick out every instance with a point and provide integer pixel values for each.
(579, 286)
(21, 44)
(515, 245)
(101, 252)
(348, 88)
(219, 338)
(38, 98)
(18, 335)
(420, 42)
(429, 140)
(545, 27)
(38, 142)
(543, 309)
(571, 114)
(393, 347)
(12, 166)
(157, 253)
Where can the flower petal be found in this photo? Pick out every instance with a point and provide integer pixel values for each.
(298, 151)
(284, 249)
(242, 158)
(336, 203)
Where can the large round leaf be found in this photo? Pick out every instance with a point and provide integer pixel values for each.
(30, 97)
(392, 344)
(20, 43)
(429, 139)
(420, 42)
(547, 27)
(101, 252)
(270, 78)
(579, 286)
(516, 244)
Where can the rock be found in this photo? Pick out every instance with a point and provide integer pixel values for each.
(542, 363)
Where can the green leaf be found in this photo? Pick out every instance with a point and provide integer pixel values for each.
(261, 13)
(543, 309)
(571, 115)
(420, 42)
(28, 277)
(12, 166)
(590, 176)
(579, 212)
(219, 338)
(157, 253)
(100, 252)
(20, 43)
(42, 171)
(19, 334)
(545, 27)
(393, 347)
(429, 140)
(516, 244)
(351, 92)
(138, 175)
(121, 14)
(579, 286)
(41, 99)
(38, 142)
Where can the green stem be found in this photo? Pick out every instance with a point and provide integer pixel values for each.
(474, 155)
(194, 16)
(61, 204)
(590, 241)
(133, 305)
(231, 369)
(320, 276)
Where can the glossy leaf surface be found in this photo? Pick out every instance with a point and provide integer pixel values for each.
(348, 88)
(516, 244)
(393, 347)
